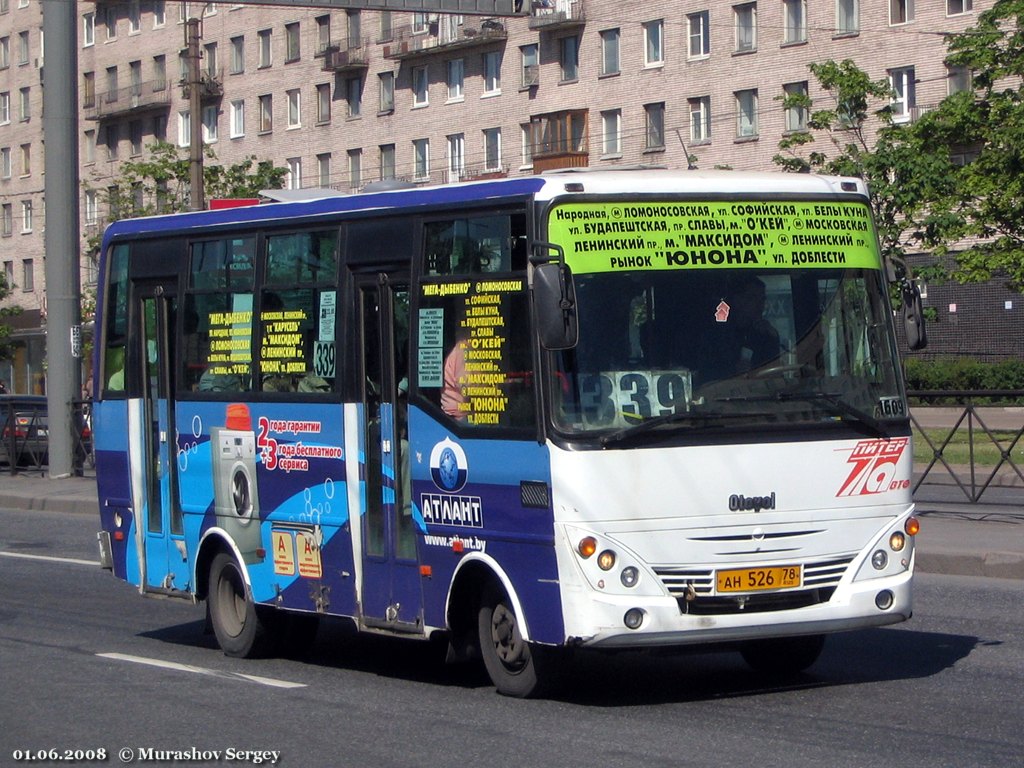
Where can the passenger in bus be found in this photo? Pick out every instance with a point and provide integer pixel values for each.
(740, 339)
(453, 400)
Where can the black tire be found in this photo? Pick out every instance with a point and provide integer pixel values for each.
(243, 629)
(783, 656)
(517, 668)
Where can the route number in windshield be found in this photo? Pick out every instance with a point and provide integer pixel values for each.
(891, 406)
(623, 398)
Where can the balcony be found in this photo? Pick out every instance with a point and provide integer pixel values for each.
(551, 15)
(210, 87)
(133, 99)
(444, 35)
(346, 56)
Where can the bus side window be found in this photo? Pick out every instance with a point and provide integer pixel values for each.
(298, 313)
(476, 245)
(116, 332)
(218, 315)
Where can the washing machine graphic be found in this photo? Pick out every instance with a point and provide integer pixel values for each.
(235, 494)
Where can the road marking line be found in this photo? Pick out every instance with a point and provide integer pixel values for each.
(47, 558)
(270, 681)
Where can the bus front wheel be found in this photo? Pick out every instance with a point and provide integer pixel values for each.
(517, 668)
(243, 629)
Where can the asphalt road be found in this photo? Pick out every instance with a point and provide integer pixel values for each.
(86, 663)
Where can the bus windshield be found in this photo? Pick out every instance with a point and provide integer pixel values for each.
(745, 326)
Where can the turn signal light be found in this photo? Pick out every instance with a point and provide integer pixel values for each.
(912, 526)
(587, 547)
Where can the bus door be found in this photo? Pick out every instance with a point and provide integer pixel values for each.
(154, 463)
(390, 586)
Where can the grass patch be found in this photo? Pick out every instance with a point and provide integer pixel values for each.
(958, 450)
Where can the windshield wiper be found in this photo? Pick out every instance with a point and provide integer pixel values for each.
(838, 406)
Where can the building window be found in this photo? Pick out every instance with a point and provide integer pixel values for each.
(953, 7)
(28, 272)
(796, 115)
(420, 23)
(420, 87)
(746, 113)
(355, 168)
(387, 161)
(323, 170)
(354, 96)
(8, 229)
(5, 52)
(5, 162)
(746, 27)
(901, 11)
(263, 38)
(530, 66)
(699, 35)
(526, 142)
(159, 13)
(654, 124)
(26, 159)
(323, 33)
(456, 156)
(135, 137)
(266, 113)
(354, 23)
(569, 58)
(294, 108)
(210, 63)
(958, 79)
(238, 119)
(184, 130)
(89, 146)
(387, 30)
(847, 17)
(134, 18)
(90, 206)
(238, 55)
(210, 115)
(610, 52)
(387, 92)
(5, 107)
(559, 133)
(421, 159)
(294, 178)
(159, 72)
(700, 119)
(456, 76)
(903, 99)
(492, 73)
(88, 29)
(794, 21)
(611, 128)
(323, 103)
(492, 149)
(291, 41)
(26, 227)
(112, 139)
(654, 53)
(24, 104)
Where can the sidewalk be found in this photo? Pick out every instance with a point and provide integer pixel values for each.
(957, 537)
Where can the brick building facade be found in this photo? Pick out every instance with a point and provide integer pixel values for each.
(342, 98)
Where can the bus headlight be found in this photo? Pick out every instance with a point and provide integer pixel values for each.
(629, 576)
(606, 560)
(879, 560)
(897, 541)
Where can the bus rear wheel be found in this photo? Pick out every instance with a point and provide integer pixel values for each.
(243, 629)
(783, 656)
(517, 668)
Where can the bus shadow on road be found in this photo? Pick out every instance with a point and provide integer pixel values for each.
(629, 678)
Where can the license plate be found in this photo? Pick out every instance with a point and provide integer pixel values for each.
(758, 579)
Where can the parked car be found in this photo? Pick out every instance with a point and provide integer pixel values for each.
(24, 431)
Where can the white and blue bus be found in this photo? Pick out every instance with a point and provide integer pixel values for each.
(608, 410)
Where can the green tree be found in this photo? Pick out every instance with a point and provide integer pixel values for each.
(160, 183)
(910, 181)
(985, 127)
(6, 312)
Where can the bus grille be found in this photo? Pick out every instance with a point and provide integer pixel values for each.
(693, 588)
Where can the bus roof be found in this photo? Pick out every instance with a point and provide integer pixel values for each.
(544, 187)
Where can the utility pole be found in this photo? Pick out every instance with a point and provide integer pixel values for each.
(193, 34)
(62, 241)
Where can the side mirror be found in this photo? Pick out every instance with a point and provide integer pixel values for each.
(554, 301)
(913, 315)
